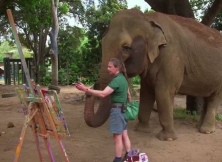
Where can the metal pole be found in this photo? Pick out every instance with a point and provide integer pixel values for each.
(11, 20)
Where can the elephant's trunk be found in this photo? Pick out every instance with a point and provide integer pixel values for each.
(102, 114)
(98, 118)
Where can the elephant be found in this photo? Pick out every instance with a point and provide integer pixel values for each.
(172, 55)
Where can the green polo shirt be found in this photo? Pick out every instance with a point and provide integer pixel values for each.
(120, 86)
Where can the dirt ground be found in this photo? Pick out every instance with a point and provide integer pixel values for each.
(95, 144)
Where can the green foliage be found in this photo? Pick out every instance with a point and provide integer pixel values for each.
(1, 58)
(33, 20)
(63, 8)
(70, 41)
(46, 80)
(87, 81)
(200, 8)
(35, 14)
(181, 113)
(147, 11)
(80, 51)
(96, 21)
(6, 47)
(219, 117)
(135, 80)
(217, 24)
(63, 77)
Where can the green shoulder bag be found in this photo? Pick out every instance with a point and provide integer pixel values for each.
(131, 111)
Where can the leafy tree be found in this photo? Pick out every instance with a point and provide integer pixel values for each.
(6, 47)
(33, 20)
(217, 24)
(96, 20)
(70, 60)
(202, 8)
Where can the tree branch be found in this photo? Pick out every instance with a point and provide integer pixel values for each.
(174, 7)
(212, 12)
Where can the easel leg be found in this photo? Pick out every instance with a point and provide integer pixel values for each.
(22, 136)
(21, 139)
(28, 118)
(37, 140)
(63, 149)
(47, 144)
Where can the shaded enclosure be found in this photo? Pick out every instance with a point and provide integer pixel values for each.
(13, 71)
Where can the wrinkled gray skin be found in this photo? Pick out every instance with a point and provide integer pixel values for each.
(171, 55)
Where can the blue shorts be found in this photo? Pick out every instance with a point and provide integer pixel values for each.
(118, 122)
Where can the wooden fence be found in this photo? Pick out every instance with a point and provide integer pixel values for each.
(13, 71)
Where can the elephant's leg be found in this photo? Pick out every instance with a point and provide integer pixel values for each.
(147, 99)
(168, 81)
(202, 115)
(165, 99)
(208, 116)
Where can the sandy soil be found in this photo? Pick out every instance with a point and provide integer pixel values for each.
(95, 144)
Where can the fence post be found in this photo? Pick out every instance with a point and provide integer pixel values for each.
(5, 78)
(7, 71)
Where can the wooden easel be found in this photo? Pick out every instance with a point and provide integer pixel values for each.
(42, 110)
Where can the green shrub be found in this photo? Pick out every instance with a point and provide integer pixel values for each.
(181, 113)
(219, 117)
(135, 80)
(63, 77)
(46, 80)
(88, 81)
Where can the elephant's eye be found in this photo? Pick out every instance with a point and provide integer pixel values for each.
(126, 49)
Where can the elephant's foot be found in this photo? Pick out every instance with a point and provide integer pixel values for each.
(142, 128)
(207, 129)
(198, 125)
(167, 135)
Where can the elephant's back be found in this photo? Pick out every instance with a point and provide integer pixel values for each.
(174, 23)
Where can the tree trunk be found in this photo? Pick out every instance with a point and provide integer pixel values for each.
(173, 7)
(212, 13)
(54, 59)
(53, 37)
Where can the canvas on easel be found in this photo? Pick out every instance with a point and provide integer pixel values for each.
(52, 101)
(44, 116)
(52, 105)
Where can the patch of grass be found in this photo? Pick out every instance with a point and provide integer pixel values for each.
(181, 113)
(219, 117)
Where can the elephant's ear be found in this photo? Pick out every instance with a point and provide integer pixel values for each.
(156, 40)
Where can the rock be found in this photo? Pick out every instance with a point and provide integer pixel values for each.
(10, 125)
